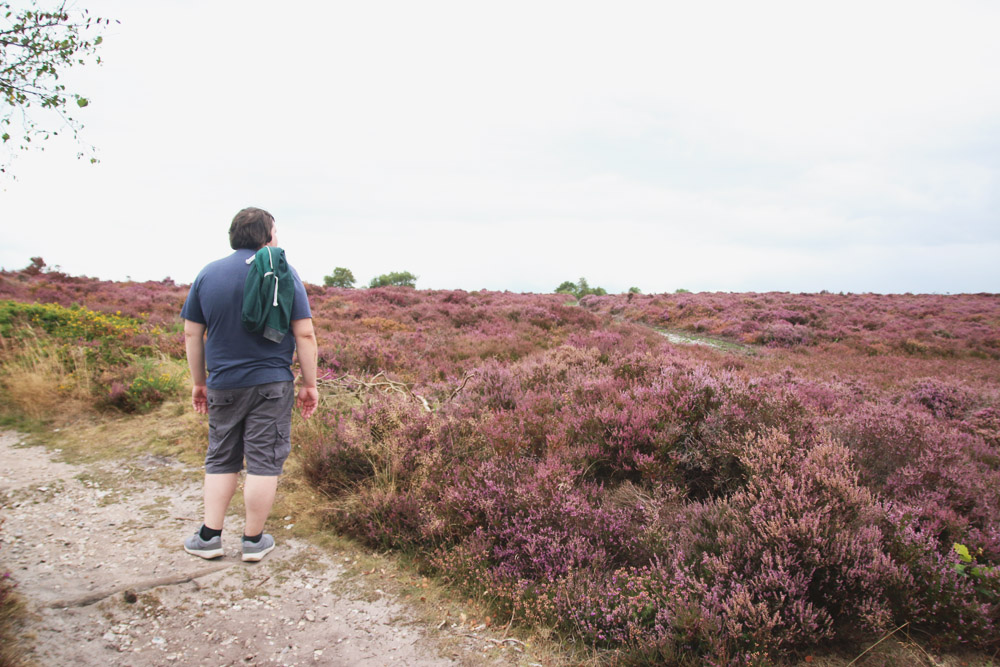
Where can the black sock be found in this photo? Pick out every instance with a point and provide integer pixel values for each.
(253, 538)
(207, 533)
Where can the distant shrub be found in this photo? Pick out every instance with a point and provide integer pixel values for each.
(579, 289)
(340, 277)
(566, 287)
(394, 279)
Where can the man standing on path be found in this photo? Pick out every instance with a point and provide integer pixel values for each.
(249, 388)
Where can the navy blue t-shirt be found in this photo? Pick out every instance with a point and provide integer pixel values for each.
(234, 356)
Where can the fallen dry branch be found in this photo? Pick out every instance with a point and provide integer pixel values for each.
(865, 652)
(460, 387)
(381, 382)
(508, 640)
(97, 596)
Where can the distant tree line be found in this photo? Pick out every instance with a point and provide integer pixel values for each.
(579, 289)
(344, 278)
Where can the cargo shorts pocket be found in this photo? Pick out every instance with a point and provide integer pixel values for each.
(282, 446)
(273, 391)
(220, 422)
(220, 399)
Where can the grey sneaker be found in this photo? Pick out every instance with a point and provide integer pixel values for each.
(254, 551)
(205, 548)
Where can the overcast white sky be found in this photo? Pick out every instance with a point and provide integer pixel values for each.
(737, 146)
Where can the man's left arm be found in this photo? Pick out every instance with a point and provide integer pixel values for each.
(308, 351)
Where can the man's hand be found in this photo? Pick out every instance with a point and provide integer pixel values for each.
(199, 399)
(308, 400)
(194, 343)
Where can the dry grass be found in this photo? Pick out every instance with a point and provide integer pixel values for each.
(172, 431)
(12, 645)
(12, 614)
(897, 649)
(38, 386)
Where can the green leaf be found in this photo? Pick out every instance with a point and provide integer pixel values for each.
(963, 552)
(5, 137)
(82, 101)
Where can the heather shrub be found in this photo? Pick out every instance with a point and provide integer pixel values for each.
(781, 333)
(368, 465)
(519, 529)
(944, 400)
(985, 423)
(950, 479)
(718, 411)
(934, 595)
(334, 463)
(794, 559)
(953, 489)
(653, 614)
(629, 414)
(537, 518)
(883, 438)
(378, 442)
(797, 556)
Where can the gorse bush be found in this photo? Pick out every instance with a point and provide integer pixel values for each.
(68, 323)
(55, 353)
(141, 387)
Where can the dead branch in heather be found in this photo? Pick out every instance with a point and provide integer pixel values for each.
(381, 382)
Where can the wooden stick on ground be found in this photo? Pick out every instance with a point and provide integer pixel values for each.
(877, 643)
(97, 596)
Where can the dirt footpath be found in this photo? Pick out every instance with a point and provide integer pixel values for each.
(108, 584)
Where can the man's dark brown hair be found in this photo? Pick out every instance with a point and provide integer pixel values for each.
(251, 229)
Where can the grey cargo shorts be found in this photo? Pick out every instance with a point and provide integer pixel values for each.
(252, 423)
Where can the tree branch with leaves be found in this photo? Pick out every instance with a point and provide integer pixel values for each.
(37, 44)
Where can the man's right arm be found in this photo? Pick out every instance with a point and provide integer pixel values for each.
(194, 344)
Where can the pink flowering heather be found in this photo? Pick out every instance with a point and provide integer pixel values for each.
(801, 486)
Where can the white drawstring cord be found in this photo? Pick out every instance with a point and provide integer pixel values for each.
(269, 273)
(271, 260)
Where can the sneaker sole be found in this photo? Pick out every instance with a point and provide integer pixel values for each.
(206, 554)
(257, 555)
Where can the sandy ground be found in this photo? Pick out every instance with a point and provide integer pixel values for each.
(108, 584)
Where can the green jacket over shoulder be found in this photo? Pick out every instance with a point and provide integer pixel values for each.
(268, 294)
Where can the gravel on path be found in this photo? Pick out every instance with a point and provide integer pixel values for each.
(107, 582)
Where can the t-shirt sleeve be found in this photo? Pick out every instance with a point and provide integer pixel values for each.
(300, 305)
(192, 306)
